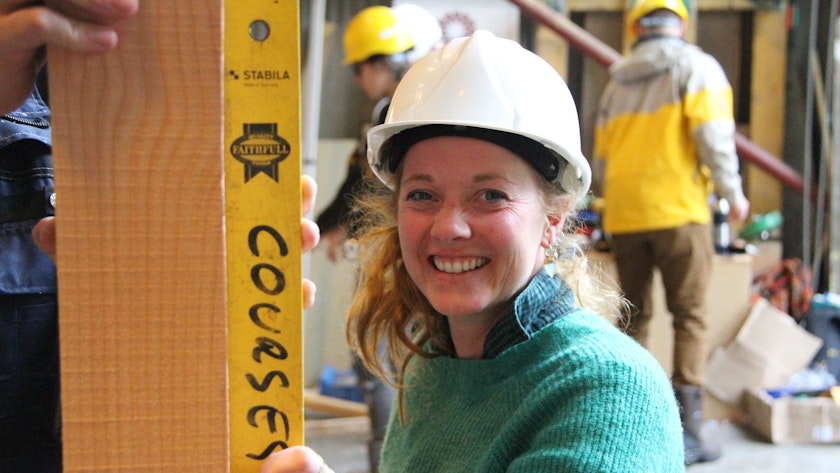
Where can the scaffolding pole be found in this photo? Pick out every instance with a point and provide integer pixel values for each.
(834, 172)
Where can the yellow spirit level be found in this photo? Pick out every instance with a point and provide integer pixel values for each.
(262, 219)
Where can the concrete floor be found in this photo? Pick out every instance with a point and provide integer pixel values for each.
(744, 451)
(342, 442)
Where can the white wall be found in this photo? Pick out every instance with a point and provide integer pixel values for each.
(324, 341)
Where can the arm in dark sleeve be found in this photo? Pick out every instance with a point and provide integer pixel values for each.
(337, 212)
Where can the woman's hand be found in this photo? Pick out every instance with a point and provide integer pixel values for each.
(309, 233)
(295, 460)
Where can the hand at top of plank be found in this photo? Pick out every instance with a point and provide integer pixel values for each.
(27, 27)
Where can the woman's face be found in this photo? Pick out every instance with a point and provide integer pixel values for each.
(472, 225)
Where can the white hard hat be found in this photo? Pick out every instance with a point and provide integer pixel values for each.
(428, 35)
(492, 89)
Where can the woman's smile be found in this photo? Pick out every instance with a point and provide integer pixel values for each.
(457, 265)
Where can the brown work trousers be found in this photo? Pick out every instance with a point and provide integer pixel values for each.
(683, 256)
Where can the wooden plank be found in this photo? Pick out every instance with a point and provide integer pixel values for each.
(553, 48)
(594, 5)
(333, 405)
(337, 426)
(767, 106)
(618, 5)
(138, 162)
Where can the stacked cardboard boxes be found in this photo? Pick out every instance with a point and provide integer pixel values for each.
(768, 350)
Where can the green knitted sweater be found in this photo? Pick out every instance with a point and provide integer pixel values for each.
(578, 396)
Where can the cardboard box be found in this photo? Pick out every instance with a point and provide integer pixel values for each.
(769, 348)
(767, 256)
(793, 419)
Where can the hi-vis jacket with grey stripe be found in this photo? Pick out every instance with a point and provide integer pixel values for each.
(665, 132)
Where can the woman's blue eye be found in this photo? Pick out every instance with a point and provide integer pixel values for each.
(419, 195)
(490, 195)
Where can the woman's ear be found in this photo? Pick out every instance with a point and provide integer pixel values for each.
(553, 229)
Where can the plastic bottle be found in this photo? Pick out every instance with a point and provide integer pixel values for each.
(721, 235)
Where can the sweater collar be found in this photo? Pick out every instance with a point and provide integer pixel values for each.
(544, 300)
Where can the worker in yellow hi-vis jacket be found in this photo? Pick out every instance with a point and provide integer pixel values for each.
(664, 139)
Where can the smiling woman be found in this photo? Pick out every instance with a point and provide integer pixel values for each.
(503, 364)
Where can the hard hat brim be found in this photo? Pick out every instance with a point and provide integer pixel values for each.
(550, 159)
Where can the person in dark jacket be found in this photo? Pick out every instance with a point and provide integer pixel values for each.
(30, 437)
(30, 432)
(378, 45)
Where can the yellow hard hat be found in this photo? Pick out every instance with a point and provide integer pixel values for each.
(373, 31)
(639, 8)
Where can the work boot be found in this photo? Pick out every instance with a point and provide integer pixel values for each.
(697, 450)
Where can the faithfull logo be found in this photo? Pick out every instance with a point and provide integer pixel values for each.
(260, 149)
